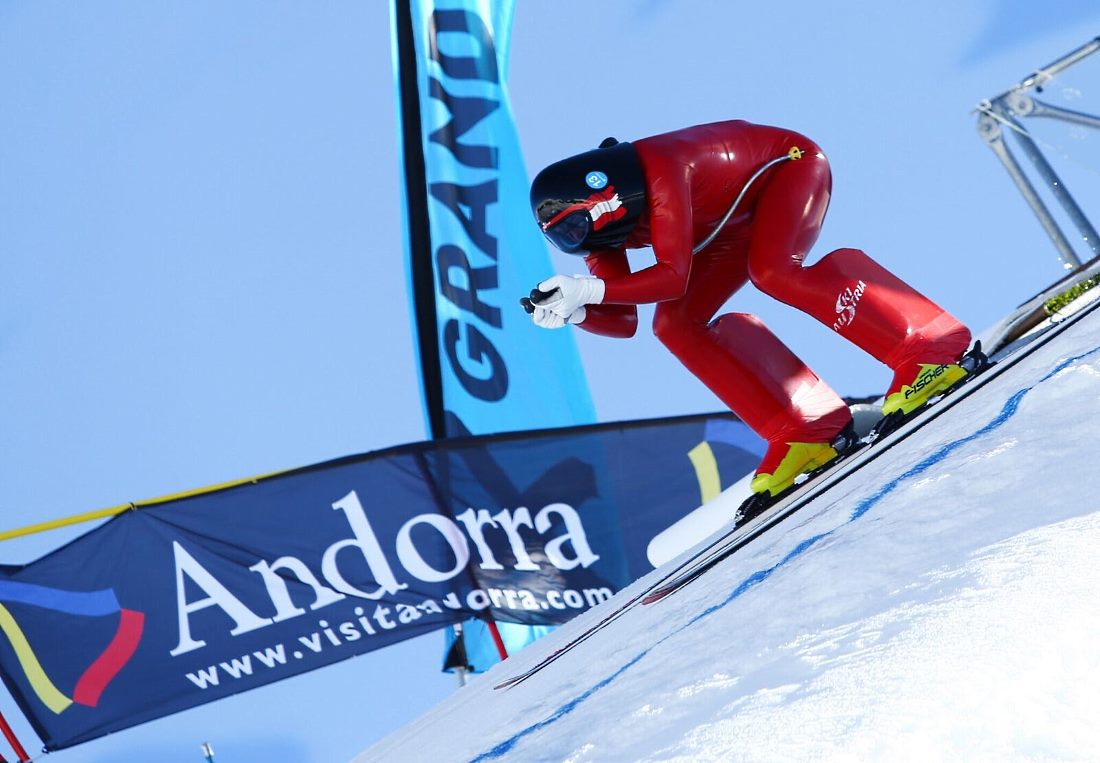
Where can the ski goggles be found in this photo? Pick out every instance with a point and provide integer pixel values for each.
(568, 230)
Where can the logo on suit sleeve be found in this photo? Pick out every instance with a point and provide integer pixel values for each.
(846, 303)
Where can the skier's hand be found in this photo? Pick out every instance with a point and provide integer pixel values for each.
(548, 319)
(568, 293)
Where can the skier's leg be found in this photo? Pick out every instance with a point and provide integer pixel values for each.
(850, 292)
(752, 372)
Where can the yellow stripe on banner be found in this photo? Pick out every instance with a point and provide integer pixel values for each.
(40, 682)
(114, 510)
(706, 470)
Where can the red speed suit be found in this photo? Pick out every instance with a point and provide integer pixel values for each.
(692, 177)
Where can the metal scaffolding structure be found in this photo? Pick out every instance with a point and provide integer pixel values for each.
(1004, 112)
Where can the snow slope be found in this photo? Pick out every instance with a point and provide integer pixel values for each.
(943, 604)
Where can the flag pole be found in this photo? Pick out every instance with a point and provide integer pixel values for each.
(495, 631)
(13, 740)
(418, 229)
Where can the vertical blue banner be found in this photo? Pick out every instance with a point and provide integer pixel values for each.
(473, 249)
(472, 246)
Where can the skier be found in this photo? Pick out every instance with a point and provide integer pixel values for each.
(722, 204)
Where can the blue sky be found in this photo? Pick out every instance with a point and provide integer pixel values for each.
(201, 272)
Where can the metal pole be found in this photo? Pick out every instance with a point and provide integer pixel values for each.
(1039, 78)
(1015, 102)
(992, 134)
(13, 740)
(1027, 106)
(1050, 177)
(208, 751)
(460, 670)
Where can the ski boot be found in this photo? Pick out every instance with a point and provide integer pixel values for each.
(932, 380)
(802, 462)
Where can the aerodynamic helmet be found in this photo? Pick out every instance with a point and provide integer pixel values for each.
(592, 200)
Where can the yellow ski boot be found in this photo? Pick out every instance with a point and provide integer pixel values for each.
(798, 459)
(801, 458)
(930, 380)
(789, 461)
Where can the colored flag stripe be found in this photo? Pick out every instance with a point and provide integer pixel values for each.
(706, 471)
(40, 682)
(87, 603)
(106, 666)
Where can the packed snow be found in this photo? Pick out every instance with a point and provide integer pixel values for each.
(943, 604)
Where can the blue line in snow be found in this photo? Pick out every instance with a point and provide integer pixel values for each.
(1007, 412)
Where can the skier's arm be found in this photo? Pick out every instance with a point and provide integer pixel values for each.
(671, 230)
(619, 321)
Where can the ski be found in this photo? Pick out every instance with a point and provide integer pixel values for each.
(716, 542)
(729, 541)
(608, 618)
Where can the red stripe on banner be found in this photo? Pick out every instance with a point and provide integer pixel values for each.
(106, 667)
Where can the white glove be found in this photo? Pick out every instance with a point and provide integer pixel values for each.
(548, 319)
(571, 293)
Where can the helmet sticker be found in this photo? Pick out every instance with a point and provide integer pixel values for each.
(608, 208)
(595, 179)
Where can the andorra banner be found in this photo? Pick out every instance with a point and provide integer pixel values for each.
(183, 601)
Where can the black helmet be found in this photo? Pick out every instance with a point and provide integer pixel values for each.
(591, 200)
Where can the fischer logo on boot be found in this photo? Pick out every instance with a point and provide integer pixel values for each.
(846, 303)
